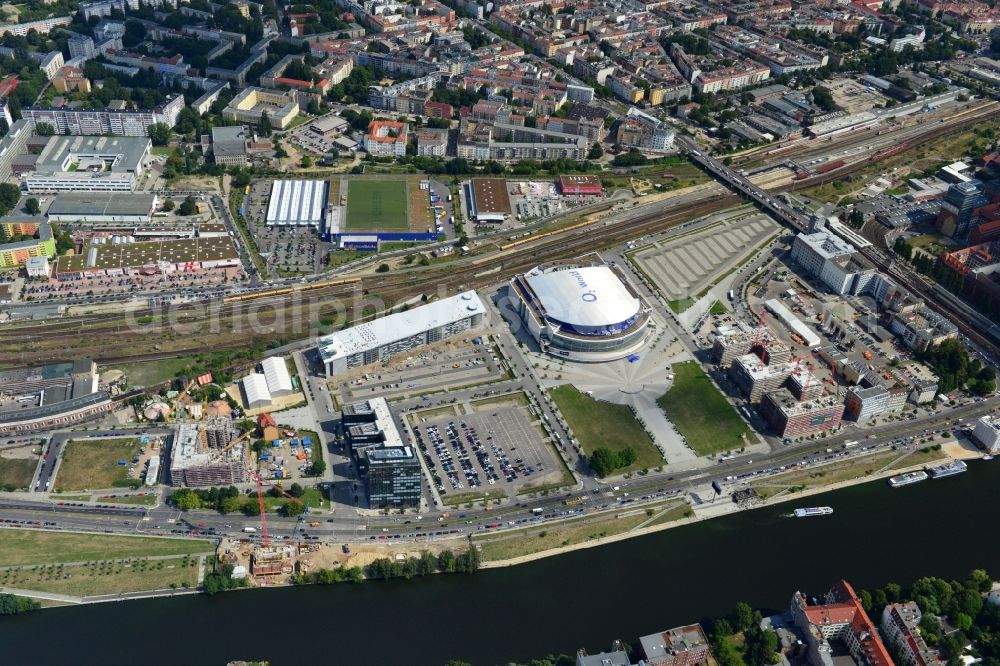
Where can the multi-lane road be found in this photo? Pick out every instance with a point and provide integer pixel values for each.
(587, 498)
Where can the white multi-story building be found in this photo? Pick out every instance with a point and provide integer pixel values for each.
(119, 122)
(400, 332)
(987, 433)
(51, 63)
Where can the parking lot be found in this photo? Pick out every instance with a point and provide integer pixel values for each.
(495, 450)
(285, 249)
(449, 365)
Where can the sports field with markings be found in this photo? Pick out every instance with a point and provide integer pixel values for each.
(377, 204)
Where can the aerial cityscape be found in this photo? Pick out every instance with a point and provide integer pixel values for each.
(650, 332)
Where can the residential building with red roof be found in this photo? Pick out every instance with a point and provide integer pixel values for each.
(901, 626)
(840, 618)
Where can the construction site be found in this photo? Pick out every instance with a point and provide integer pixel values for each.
(274, 564)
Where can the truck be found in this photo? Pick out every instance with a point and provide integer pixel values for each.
(537, 511)
(867, 354)
(250, 530)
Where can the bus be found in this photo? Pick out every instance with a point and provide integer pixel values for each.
(537, 511)
(731, 295)
(851, 444)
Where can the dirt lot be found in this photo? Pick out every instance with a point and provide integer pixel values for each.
(17, 466)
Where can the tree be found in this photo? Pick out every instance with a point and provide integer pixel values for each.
(9, 195)
(12, 605)
(293, 508)
(382, 268)
(185, 499)
(168, 205)
(31, 206)
(595, 152)
(264, 126)
(318, 467)
(296, 490)
(44, 129)
(306, 162)
(603, 461)
(159, 134)
(742, 616)
(188, 206)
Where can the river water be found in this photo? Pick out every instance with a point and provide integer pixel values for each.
(581, 599)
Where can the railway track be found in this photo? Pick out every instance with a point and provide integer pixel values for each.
(111, 337)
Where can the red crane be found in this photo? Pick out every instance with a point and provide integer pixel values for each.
(260, 502)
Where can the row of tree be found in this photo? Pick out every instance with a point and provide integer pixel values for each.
(427, 563)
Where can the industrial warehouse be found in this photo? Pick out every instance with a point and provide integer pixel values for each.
(404, 331)
(102, 208)
(584, 313)
(297, 203)
(488, 200)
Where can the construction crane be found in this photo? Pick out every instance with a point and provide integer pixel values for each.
(260, 502)
(236, 441)
(183, 394)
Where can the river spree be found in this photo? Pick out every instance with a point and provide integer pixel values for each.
(586, 598)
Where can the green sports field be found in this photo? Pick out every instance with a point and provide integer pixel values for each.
(376, 204)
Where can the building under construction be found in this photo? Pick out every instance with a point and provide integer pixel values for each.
(219, 430)
(792, 417)
(272, 560)
(803, 384)
(755, 378)
(194, 462)
(727, 348)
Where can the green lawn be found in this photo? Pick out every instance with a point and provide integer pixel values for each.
(596, 423)
(718, 308)
(93, 463)
(376, 204)
(681, 304)
(106, 578)
(38, 547)
(702, 414)
(147, 373)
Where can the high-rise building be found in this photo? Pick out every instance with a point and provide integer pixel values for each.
(390, 468)
(81, 46)
(960, 202)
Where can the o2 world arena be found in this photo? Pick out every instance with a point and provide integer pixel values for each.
(582, 313)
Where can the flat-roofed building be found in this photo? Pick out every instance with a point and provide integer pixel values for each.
(229, 145)
(794, 417)
(986, 433)
(381, 338)
(575, 186)
(680, 646)
(89, 163)
(102, 208)
(488, 199)
(390, 468)
(863, 404)
(755, 378)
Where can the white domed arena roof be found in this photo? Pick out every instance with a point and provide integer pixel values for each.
(587, 297)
